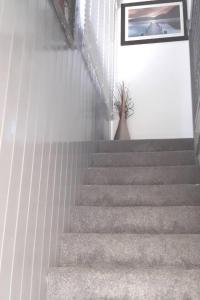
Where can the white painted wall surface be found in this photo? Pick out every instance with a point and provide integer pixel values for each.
(47, 121)
(158, 76)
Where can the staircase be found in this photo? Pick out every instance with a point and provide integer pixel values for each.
(135, 232)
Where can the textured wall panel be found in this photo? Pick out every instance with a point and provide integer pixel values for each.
(195, 66)
(48, 102)
(98, 41)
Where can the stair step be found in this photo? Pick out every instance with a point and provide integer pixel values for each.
(142, 175)
(119, 195)
(145, 145)
(162, 158)
(137, 251)
(85, 283)
(172, 219)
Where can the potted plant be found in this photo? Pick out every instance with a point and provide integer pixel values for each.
(124, 106)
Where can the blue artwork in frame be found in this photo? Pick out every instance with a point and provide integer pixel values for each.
(153, 22)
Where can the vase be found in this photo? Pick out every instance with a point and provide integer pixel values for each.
(122, 132)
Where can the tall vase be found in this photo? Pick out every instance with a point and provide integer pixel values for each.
(122, 132)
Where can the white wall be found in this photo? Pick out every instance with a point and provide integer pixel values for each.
(158, 76)
(47, 120)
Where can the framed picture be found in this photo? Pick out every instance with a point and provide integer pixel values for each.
(153, 22)
(66, 12)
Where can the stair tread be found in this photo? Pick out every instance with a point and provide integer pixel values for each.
(142, 175)
(135, 229)
(144, 219)
(138, 195)
(143, 158)
(145, 145)
(86, 283)
(136, 250)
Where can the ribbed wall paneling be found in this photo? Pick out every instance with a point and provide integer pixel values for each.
(47, 125)
(195, 69)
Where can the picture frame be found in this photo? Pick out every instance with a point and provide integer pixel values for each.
(153, 22)
(66, 13)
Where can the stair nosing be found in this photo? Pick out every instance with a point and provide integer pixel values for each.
(125, 268)
(64, 235)
(139, 152)
(142, 167)
(135, 185)
(142, 206)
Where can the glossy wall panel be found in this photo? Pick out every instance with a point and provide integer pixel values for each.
(48, 122)
(99, 42)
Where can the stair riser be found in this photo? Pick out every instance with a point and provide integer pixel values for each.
(148, 175)
(143, 159)
(139, 195)
(89, 284)
(137, 251)
(136, 220)
(146, 145)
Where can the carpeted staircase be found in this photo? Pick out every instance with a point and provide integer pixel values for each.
(135, 232)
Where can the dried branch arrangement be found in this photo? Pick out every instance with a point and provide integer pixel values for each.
(123, 103)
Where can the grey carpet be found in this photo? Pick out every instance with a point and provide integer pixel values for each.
(135, 231)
